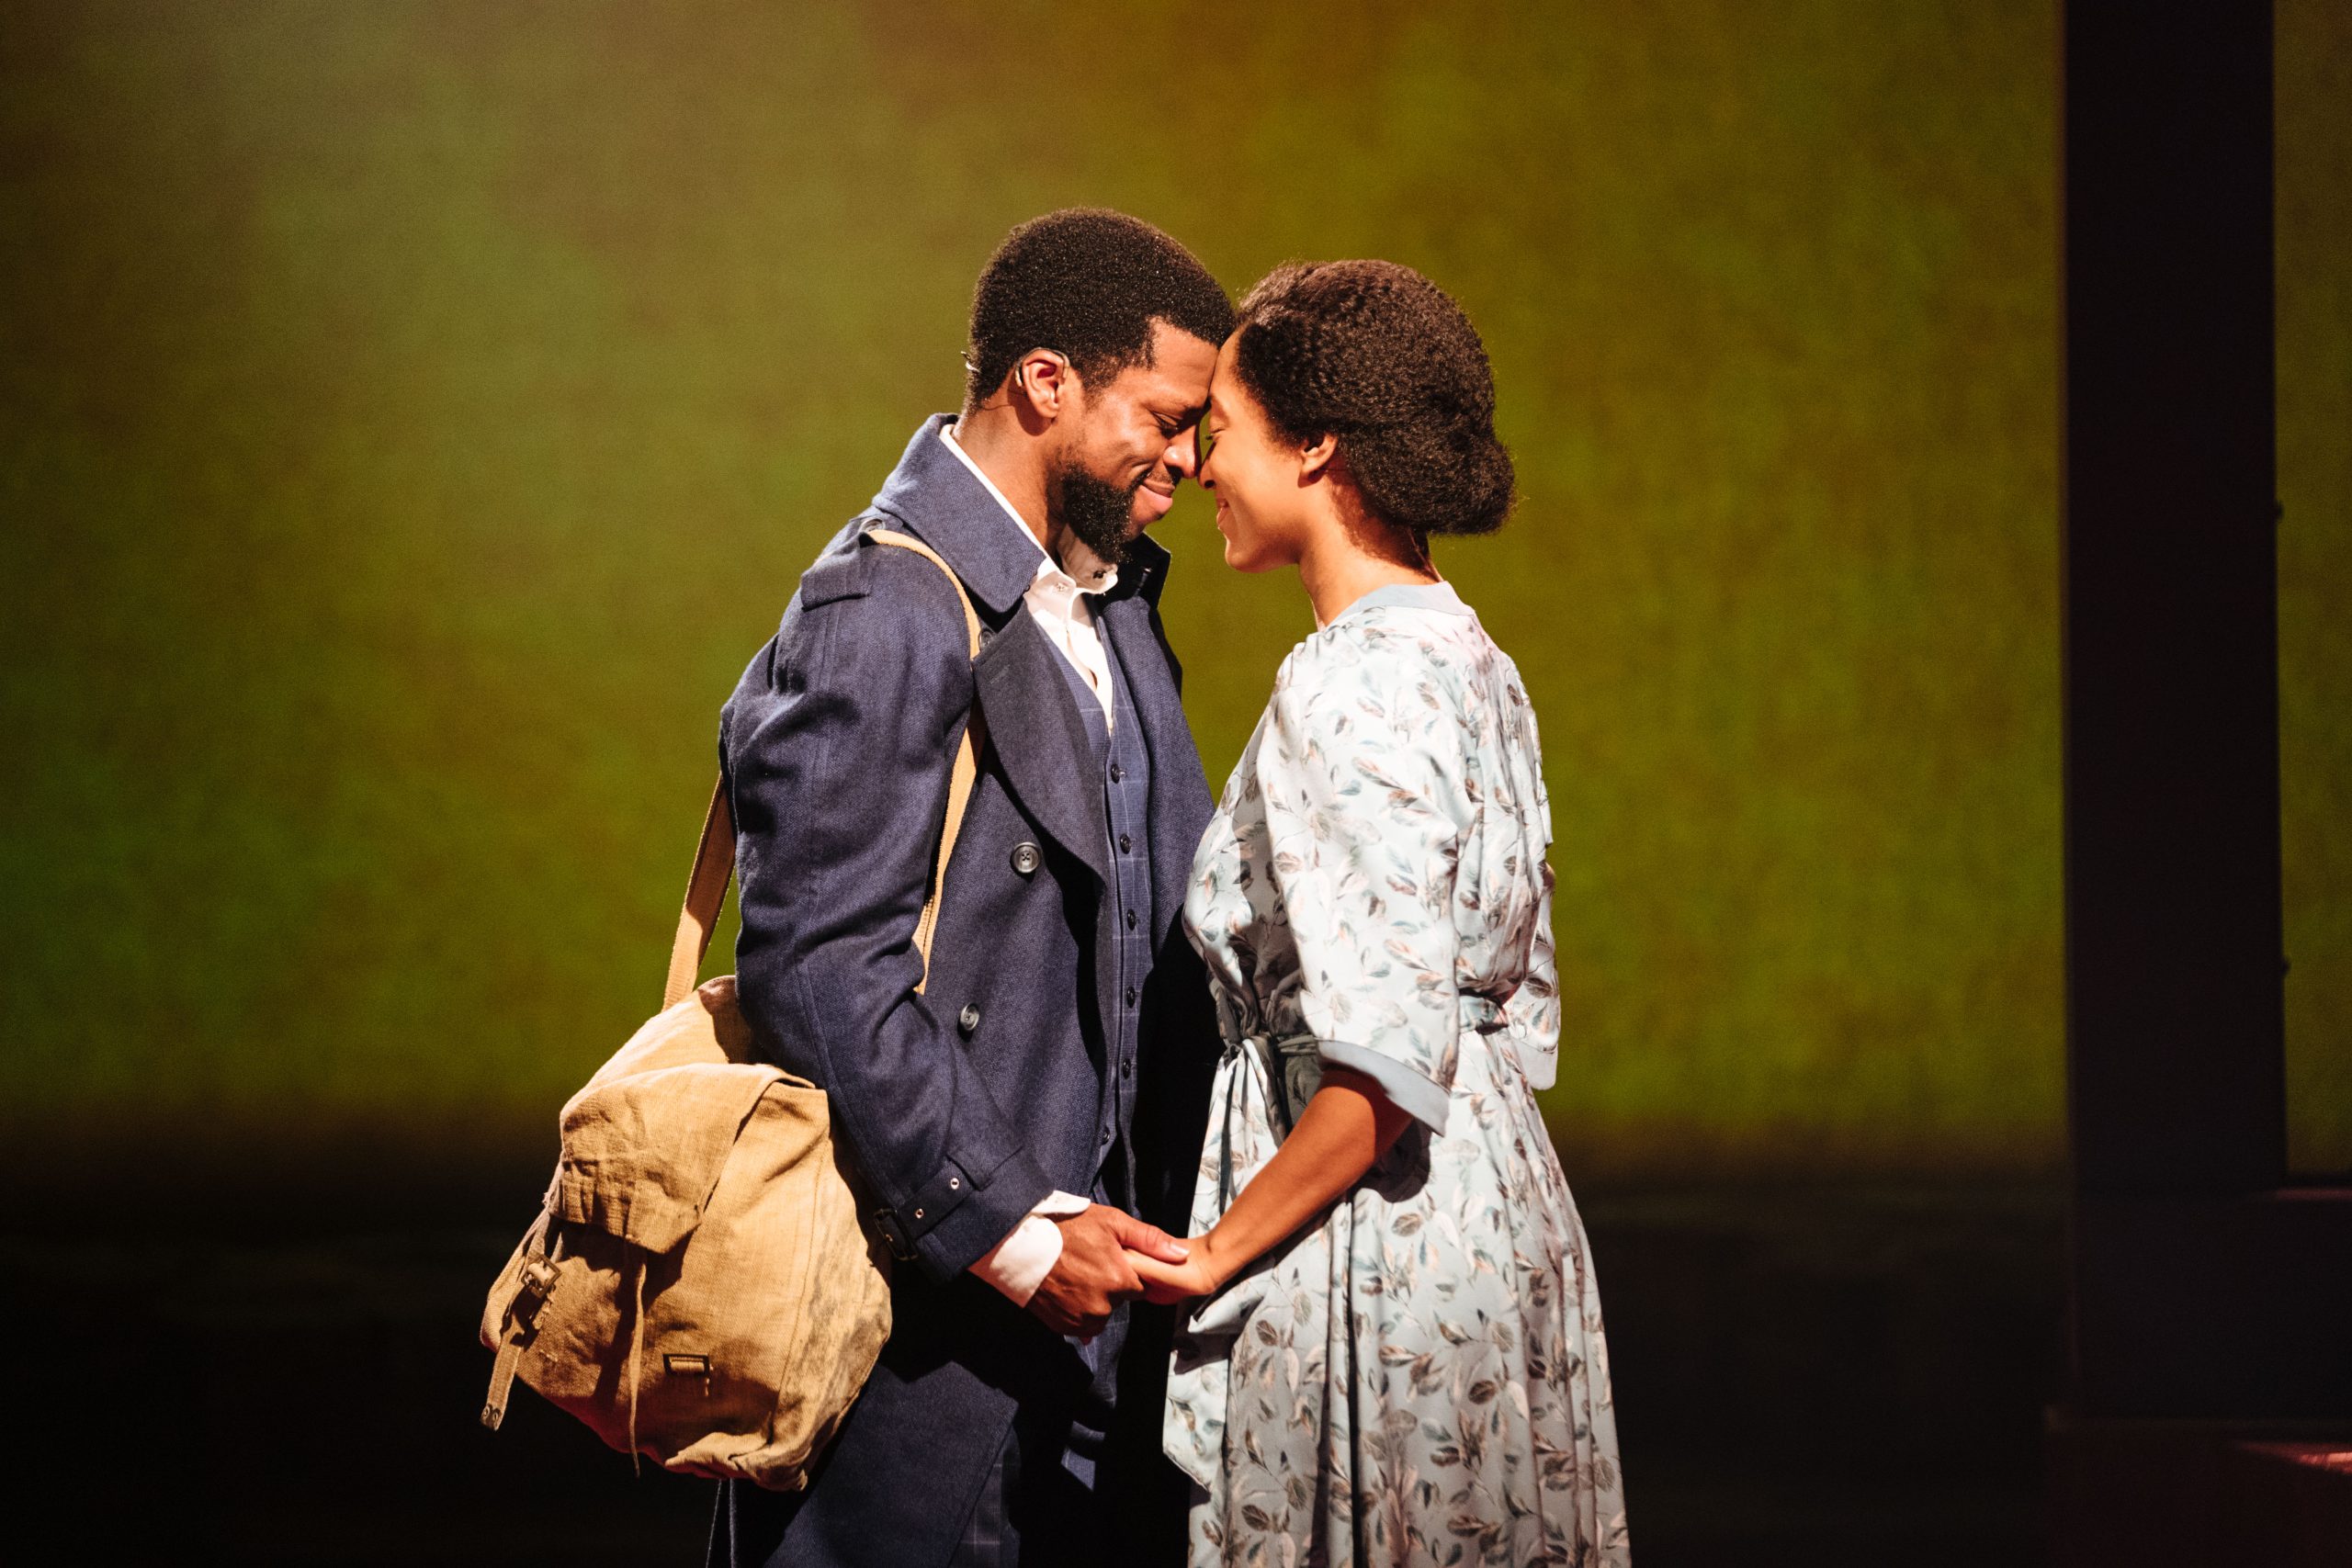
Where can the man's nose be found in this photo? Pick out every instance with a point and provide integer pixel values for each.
(1182, 453)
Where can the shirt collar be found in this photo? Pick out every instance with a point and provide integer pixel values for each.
(1079, 565)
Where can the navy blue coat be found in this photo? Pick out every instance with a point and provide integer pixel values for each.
(961, 1106)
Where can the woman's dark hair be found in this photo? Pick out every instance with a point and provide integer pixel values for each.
(1087, 283)
(1381, 358)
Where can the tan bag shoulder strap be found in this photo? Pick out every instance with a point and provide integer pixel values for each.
(706, 894)
(715, 854)
(966, 770)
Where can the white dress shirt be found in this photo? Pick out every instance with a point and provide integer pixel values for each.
(1057, 600)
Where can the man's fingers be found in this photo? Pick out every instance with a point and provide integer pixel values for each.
(1150, 1240)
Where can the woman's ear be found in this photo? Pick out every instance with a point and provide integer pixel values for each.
(1316, 459)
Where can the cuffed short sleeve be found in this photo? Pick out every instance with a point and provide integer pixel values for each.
(1363, 849)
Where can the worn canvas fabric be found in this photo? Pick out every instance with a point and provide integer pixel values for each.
(698, 1286)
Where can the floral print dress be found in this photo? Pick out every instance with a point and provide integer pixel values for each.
(1421, 1376)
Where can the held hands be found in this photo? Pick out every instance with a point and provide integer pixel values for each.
(1101, 1250)
(1197, 1275)
(1348, 1124)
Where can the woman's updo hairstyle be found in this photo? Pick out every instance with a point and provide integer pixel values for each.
(1380, 358)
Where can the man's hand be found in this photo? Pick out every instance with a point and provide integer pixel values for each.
(1093, 1274)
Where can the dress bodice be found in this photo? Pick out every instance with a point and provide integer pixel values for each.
(1374, 875)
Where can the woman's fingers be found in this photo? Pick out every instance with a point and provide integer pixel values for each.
(1145, 1240)
(1164, 1283)
(1167, 1282)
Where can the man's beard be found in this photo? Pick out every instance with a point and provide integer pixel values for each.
(1097, 511)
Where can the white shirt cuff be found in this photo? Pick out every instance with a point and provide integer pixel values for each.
(1019, 1264)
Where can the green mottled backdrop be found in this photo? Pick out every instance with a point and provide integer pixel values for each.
(412, 417)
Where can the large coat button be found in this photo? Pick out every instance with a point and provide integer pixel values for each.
(969, 1019)
(1027, 859)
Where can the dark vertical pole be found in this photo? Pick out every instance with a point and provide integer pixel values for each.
(2208, 1300)
(2174, 941)
(2173, 984)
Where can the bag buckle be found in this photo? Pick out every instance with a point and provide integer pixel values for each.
(679, 1364)
(538, 1277)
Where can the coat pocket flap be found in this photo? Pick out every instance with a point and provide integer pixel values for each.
(642, 1152)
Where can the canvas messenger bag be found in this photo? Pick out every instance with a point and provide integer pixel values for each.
(698, 1286)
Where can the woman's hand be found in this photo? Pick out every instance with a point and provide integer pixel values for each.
(1164, 1283)
(1349, 1122)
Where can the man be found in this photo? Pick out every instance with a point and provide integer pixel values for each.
(1011, 1121)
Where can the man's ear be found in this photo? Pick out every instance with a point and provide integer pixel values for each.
(1042, 386)
(1316, 459)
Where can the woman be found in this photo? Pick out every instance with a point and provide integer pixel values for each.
(1402, 1351)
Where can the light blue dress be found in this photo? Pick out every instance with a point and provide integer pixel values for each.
(1421, 1376)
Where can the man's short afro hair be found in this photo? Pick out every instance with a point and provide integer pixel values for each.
(1087, 283)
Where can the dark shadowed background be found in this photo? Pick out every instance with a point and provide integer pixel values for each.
(412, 417)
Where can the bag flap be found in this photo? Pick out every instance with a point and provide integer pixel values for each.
(642, 1152)
(706, 1025)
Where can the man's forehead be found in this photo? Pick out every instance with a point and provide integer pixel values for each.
(1182, 364)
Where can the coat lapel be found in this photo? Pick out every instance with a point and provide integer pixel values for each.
(1180, 804)
(1041, 741)
(1034, 726)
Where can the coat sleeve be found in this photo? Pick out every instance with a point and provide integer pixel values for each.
(837, 750)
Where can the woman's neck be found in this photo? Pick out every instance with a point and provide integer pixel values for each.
(1340, 565)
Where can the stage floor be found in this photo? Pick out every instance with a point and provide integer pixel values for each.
(1814, 1376)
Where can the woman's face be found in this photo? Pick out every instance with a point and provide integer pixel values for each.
(1257, 477)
